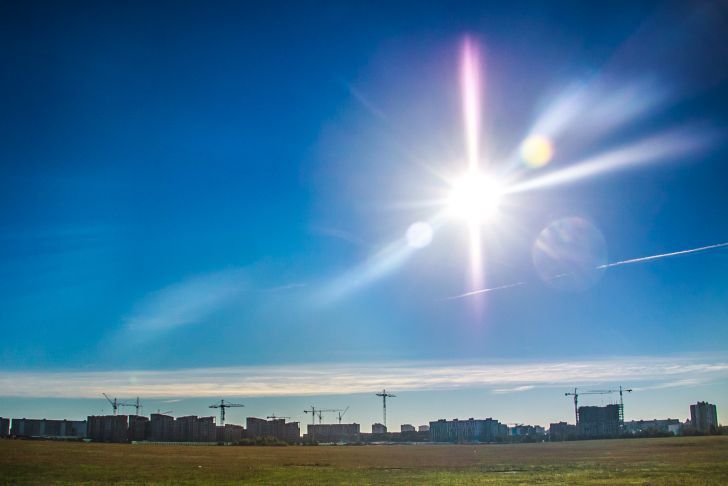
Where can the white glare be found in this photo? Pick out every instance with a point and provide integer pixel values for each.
(475, 197)
(419, 235)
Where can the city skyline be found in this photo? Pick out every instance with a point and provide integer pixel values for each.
(199, 203)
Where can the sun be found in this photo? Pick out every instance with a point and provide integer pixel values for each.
(475, 197)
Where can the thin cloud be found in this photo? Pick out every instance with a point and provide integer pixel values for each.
(186, 302)
(319, 379)
(514, 389)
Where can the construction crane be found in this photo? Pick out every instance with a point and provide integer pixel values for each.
(319, 412)
(115, 403)
(137, 405)
(222, 406)
(384, 396)
(621, 391)
(341, 414)
(164, 413)
(274, 417)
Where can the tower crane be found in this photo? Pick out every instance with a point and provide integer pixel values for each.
(137, 405)
(115, 403)
(319, 412)
(620, 390)
(222, 406)
(341, 414)
(274, 417)
(384, 396)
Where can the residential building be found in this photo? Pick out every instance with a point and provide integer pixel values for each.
(333, 433)
(704, 417)
(470, 430)
(108, 428)
(656, 425)
(562, 431)
(48, 428)
(4, 427)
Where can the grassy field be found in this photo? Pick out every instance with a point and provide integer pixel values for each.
(684, 460)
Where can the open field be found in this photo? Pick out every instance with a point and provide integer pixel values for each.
(684, 460)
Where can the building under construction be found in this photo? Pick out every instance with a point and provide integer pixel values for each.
(471, 430)
(599, 421)
(276, 428)
(333, 433)
(4, 427)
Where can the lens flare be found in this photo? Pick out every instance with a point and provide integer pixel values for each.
(471, 92)
(570, 254)
(419, 235)
(537, 151)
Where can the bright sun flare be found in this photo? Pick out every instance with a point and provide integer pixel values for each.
(475, 197)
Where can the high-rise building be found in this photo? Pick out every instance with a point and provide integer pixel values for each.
(161, 428)
(704, 417)
(108, 428)
(379, 428)
(599, 421)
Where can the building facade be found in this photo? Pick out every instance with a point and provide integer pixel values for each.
(108, 428)
(404, 428)
(562, 431)
(656, 425)
(138, 427)
(275, 428)
(471, 430)
(599, 421)
(161, 428)
(333, 433)
(4, 427)
(704, 417)
(48, 428)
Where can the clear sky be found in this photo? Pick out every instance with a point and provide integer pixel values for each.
(212, 200)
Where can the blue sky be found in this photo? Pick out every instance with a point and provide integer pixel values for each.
(202, 187)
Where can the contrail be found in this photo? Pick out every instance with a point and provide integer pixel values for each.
(664, 255)
(484, 291)
(599, 267)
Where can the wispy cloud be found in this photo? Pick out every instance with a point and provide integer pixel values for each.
(339, 234)
(186, 302)
(320, 379)
(193, 301)
(514, 389)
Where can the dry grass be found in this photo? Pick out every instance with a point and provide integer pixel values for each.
(697, 460)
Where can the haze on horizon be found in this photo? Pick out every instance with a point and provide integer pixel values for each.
(477, 208)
